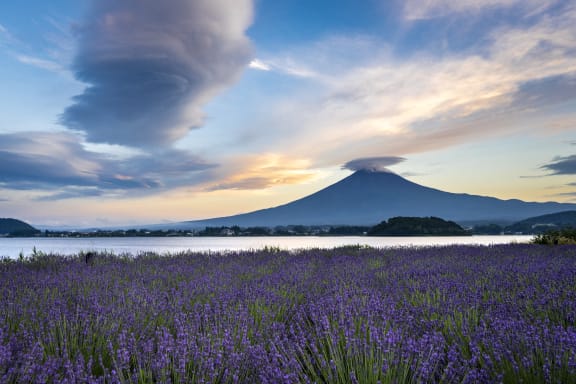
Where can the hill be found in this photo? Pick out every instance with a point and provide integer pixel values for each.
(368, 197)
(544, 223)
(13, 227)
(417, 226)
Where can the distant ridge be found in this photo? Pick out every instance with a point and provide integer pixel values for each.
(14, 227)
(369, 197)
(540, 224)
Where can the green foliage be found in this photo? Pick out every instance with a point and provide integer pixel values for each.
(556, 237)
(417, 226)
(330, 357)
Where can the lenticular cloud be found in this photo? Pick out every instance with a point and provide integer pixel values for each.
(373, 164)
(150, 66)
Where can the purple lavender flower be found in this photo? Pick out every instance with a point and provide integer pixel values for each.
(439, 314)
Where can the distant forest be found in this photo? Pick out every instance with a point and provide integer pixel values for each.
(396, 226)
(417, 226)
(400, 226)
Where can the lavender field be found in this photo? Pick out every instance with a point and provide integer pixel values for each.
(455, 314)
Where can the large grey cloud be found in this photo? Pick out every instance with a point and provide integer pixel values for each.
(59, 163)
(32, 160)
(373, 164)
(150, 66)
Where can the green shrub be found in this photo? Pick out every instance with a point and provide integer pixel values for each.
(557, 237)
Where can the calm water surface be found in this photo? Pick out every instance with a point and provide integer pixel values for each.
(67, 246)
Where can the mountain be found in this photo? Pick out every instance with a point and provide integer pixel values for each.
(368, 197)
(13, 227)
(541, 224)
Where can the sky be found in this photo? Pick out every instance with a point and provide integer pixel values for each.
(134, 112)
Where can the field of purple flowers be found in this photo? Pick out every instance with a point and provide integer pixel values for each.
(457, 314)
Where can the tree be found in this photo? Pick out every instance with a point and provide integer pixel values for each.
(417, 226)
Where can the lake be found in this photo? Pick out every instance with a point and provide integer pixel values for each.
(13, 247)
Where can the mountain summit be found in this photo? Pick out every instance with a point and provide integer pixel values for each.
(368, 197)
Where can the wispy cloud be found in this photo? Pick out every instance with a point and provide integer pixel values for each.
(48, 65)
(71, 193)
(570, 195)
(150, 68)
(261, 172)
(61, 41)
(54, 56)
(259, 65)
(284, 67)
(6, 38)
(322, 60)
(562, 166)
(427, 9)
(428, 101)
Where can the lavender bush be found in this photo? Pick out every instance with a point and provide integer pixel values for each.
(457, 314)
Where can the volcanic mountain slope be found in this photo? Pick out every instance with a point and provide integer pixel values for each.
(368, 197)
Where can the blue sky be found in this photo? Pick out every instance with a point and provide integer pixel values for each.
(122, 112)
